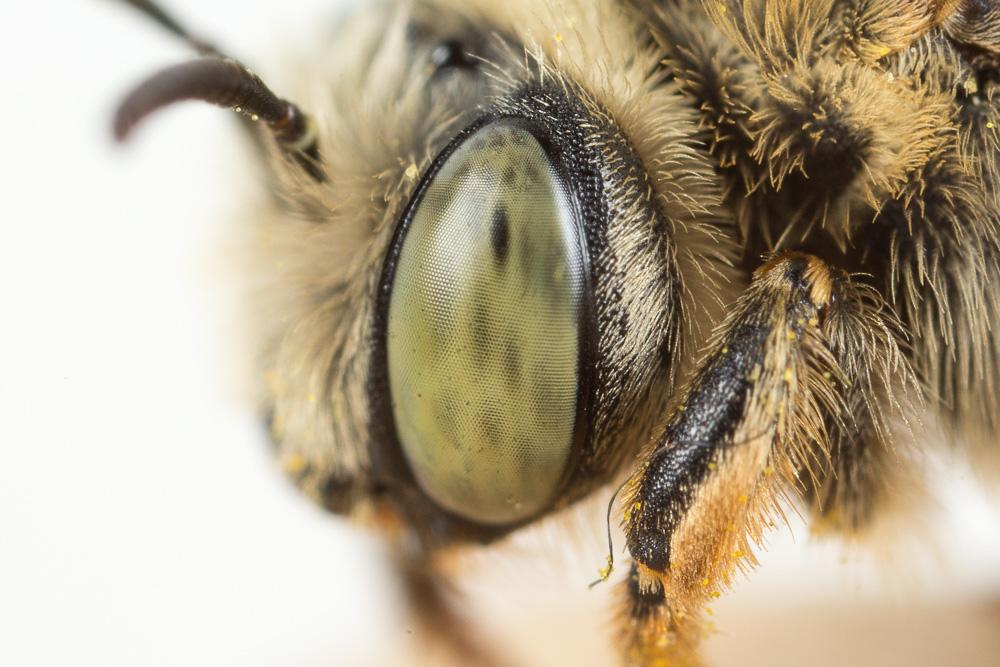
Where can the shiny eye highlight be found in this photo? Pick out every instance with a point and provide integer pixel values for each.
(485, 327)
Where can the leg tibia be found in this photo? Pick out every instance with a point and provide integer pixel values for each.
(705, 489)
(806, 355)
(657, 632)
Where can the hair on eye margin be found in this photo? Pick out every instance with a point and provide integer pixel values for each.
(225, 83)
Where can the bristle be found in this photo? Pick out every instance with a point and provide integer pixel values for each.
(868, 458)
(870, 30)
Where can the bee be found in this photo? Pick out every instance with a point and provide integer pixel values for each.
(719, 255)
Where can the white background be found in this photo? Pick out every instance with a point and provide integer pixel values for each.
(141, 519)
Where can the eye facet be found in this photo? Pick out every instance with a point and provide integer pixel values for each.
(484, 328)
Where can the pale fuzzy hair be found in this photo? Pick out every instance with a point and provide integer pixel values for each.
(759, 92)
(786, 85)
(320, 250)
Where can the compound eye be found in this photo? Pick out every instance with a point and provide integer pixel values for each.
(484, 328)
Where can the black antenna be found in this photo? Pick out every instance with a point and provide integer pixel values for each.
(170, 24)
(222, 81)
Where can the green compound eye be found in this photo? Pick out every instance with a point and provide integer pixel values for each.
(484, 328)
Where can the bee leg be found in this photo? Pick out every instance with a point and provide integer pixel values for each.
(861, 470)
(655, 631)
(854, 485)
(433, 604)
(754, 421)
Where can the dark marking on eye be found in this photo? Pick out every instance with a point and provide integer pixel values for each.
(480, 333)
(525, 257)
(498, 142)
(445, 413)
(509, 177)
(525, 464)
(462, 175)
(500, 234)
(490, 429)
(512, 363)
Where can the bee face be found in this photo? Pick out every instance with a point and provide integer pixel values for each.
(498, 290)
(516, 247)
(509, 316)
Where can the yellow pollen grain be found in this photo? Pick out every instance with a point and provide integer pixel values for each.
(294, 464)
(768, 471)
(882, 51)
(725, 349)
(605, 571)
(791, 335)
(813, 321)
(271, 380)
(990, 125)
(312, 398)
(558, 37)
(789, 375)
(712, 466)
(742, 499)
(704, 582)
(412, 172)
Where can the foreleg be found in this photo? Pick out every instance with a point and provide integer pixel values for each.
(755, 422)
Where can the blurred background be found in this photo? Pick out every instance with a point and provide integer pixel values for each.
(142, 521)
